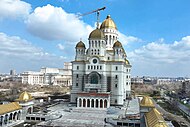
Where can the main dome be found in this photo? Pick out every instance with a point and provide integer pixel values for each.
(108, 23)
(96, 34)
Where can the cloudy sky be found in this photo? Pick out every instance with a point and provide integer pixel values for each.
(43, 33)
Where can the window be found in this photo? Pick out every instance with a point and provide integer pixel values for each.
(94, 79)
(100, 67)
(94, 67)
(116, 68)
(88, 67)
(97, 67)
(77, 67)
(115, 100)
(115, 76)
(115, 85)
(77, 75)
(127, 76)
(77, 84)
(91, 67)
(94, 61)
(108, 58)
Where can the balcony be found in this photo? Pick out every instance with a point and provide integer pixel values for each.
(92, 86)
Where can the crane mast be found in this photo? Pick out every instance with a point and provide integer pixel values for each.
(95, 11)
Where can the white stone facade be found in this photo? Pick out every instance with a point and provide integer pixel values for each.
(102, 68)
(49, 76)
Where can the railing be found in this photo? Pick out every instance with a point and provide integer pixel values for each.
(93, 86)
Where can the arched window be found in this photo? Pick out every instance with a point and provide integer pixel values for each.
(94, 79)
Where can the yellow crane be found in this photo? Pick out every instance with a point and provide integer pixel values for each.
(94, 11)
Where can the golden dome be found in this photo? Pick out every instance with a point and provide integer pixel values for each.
(25, 96)
(117, 44)
(154, 119)
(147, 102)
(96, 34)
(108, 23)
(80, 45)
(127, 62)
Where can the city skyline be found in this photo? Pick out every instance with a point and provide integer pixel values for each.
(155, 35)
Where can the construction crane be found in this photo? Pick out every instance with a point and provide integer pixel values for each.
(95, 11)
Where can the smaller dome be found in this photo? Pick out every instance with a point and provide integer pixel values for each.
(117, 44)
(80, 45)
(96, 34)
(25, 96)
(127, 62)
(147, 102)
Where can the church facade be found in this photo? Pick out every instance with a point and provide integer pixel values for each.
(101, 72)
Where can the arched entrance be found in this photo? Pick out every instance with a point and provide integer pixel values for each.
(84, 103)
(96, 103)
(10, 117)
(80, 102)
(101, 103)
(88, 102)
(105, 103)
(92, 103)
(6, 119)
(29, 111)
(15, 116)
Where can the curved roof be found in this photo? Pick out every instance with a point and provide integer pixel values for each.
(80, 45)
(96, 34)
(5, 108)
(127, 61)
(147, 102)
(117, 44)
(155, 119)
(108, 23)
(24, 97)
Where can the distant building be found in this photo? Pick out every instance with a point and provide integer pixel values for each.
(12, 72)
(186, 87)
(49, 76)
(32, 78)
(136, 80)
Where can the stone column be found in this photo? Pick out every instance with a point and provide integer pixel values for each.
(3, 121)
(98, 103)
(77, 102)
(90, 103)
(95, 103)
(103, 103)
(81, 102)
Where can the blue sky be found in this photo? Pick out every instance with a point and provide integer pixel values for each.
(36, 33)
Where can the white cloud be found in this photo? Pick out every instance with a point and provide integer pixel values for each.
(53, 23)
(14, 9)
(162, 58)
(60, 46)
(22, 55)
(127, 39)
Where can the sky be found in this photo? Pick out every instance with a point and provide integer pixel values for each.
(43, 33)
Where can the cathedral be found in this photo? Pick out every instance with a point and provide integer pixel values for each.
(101, 72)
